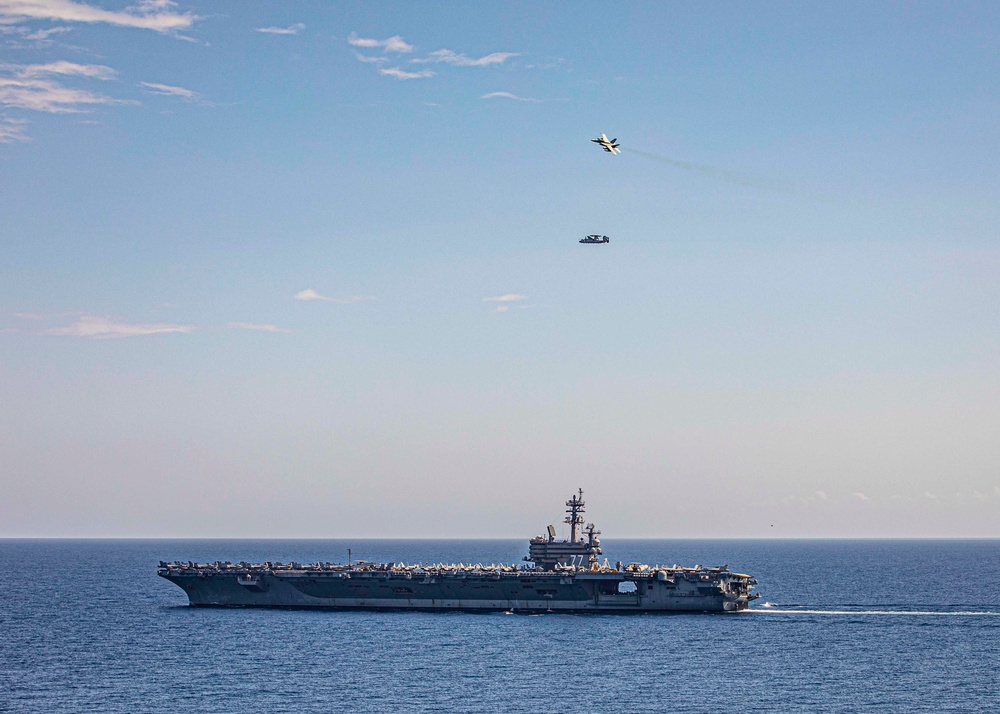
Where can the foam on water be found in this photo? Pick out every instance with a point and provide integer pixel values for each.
(775, 610)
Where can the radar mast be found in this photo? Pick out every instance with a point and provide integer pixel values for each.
(575, 508)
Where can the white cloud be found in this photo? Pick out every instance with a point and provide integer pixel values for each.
(167, 90)
(353, 299)
(979, 495)
(31, 315)
(367, 59)
(45, 34)
(310, 294)
(503, 308)
(815, 497)
(461, 60)
(508, 95)
(356, 41)
(510, 297)
(98, 327)
(930, 496)
(860, 496)
(94, 71)
(42, 95)
(42, 316)
(392, 44)
(402, 74)
(259, 327)
(32, 87)
(996, 490)
(157, 15)
(290, 30)
(11, 131)
(396, 44)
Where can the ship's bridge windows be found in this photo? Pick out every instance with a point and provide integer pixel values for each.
(627, 587)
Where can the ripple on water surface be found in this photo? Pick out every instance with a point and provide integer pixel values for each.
(854, 625)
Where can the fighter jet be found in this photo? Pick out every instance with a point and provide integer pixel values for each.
(594, 238)
(609, 145)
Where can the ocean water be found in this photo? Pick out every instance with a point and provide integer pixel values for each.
(843, 626)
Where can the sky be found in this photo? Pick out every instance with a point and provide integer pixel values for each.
(312, 269)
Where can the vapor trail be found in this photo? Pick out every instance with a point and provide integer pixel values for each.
(713, 172)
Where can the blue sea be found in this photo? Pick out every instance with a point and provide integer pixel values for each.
(843, 626)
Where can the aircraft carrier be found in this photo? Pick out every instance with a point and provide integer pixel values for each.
(557, 576)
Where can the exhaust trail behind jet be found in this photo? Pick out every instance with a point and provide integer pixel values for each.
(713, 172)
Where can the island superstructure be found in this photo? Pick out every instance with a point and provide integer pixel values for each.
(557, 576)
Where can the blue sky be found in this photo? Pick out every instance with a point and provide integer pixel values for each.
(311, 269)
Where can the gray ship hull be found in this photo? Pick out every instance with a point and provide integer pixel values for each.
(562, 576)
(525, 591)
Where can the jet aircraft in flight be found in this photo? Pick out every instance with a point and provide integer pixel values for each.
(609, 145)
(595, 239)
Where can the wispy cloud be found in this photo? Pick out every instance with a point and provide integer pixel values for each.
(103, 327)
(509, 297)
(508, 95)
(368, 59)
(12, 130)
(461, 60)
(353, 299)
(310, 294)
(33, 87)
(44, 316)
(392, 44)
(860, 496)
(290, 30)
(443, 56)
(42, 95)
(506, 300)
(258, 326)
(41, 35)
(815, 497)
(167, 90)
(156, 15)
(402, 74)
(93, 71)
